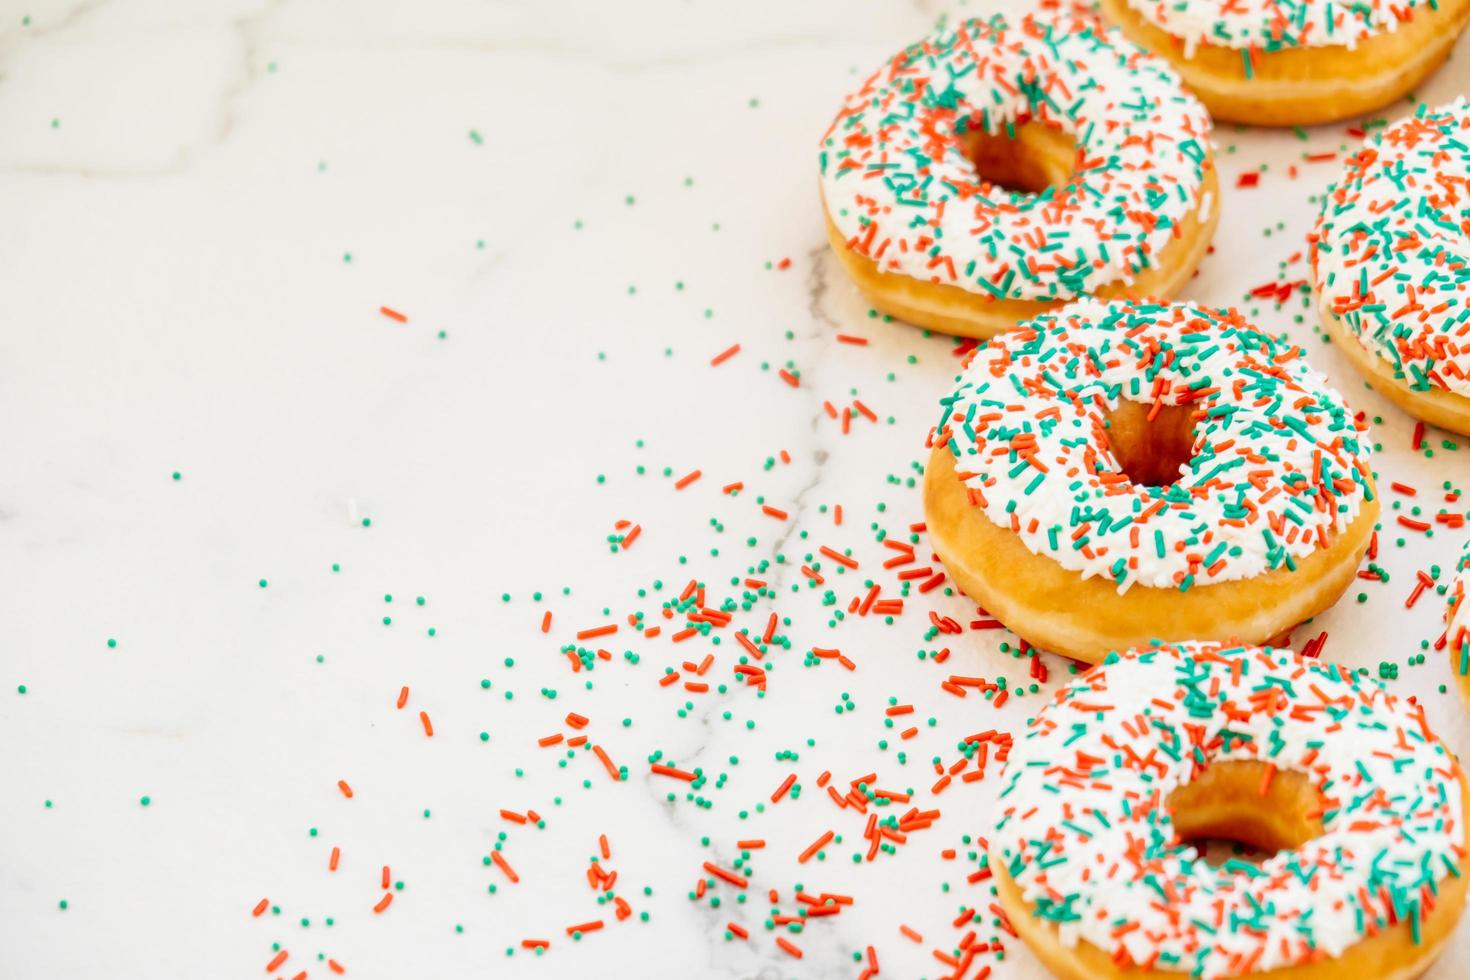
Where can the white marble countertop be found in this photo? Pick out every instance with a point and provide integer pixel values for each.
(202, 406)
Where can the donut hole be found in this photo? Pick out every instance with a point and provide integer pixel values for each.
(1151, 452)
(1242, 802)
(1027, 159)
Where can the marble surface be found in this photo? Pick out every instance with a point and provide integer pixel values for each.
(575, 207)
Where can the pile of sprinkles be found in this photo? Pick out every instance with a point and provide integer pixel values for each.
(1389, 253)
(1277, 469)
(1275, 25)
(1088, 837)
(901, 190)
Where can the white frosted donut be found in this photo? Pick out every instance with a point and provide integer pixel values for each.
(1117, 473)
(1457, 625)
(1295, 62)
(1124, 149)
(1389, 259)
(1153, 748)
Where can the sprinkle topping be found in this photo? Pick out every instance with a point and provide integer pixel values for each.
(1088, 839)
(901, 188)
(1277, 467)
(1275, 25)
(1389, 250)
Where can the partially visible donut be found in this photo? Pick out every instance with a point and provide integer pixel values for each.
(1296, 63)
(1457, 625)
(999, 168)
(1120, 473)
(1362, 805)
(1391, 263)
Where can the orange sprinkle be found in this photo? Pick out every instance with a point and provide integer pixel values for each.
(428, 725)
(504, 865)
(402, 698)
(724, 355)
(789, 378)
(336, 967)
(597, 631)
(576, 720)
(838, 557)
(276, 961)
(607, 764)
(384, 902)
(663, 770)
(687, 479)
(815, 846)
(585, 927)
(788, 947)
(336, 856)
(392, 314)
(546, 622)
(346, 790)
(260, 907)
(739, 881)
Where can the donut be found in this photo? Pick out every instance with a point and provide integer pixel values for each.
(1457, 625)
(1389, 260)
(1154, 749)
(1295, 62)
(998, 169)
(1118, 473)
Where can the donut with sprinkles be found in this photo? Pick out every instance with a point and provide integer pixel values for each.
(1457, 625)
(1153, 749)
(997, 169)
(1295, 62)
(1389, 261)
(1118, 473)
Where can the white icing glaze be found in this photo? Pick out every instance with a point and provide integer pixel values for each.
(1278, 466)
(1390, 251)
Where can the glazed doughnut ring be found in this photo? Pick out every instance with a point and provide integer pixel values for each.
(1389, 262)
(1269, 63)
(1122, 473)
(994, 171)
(1155, 748)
